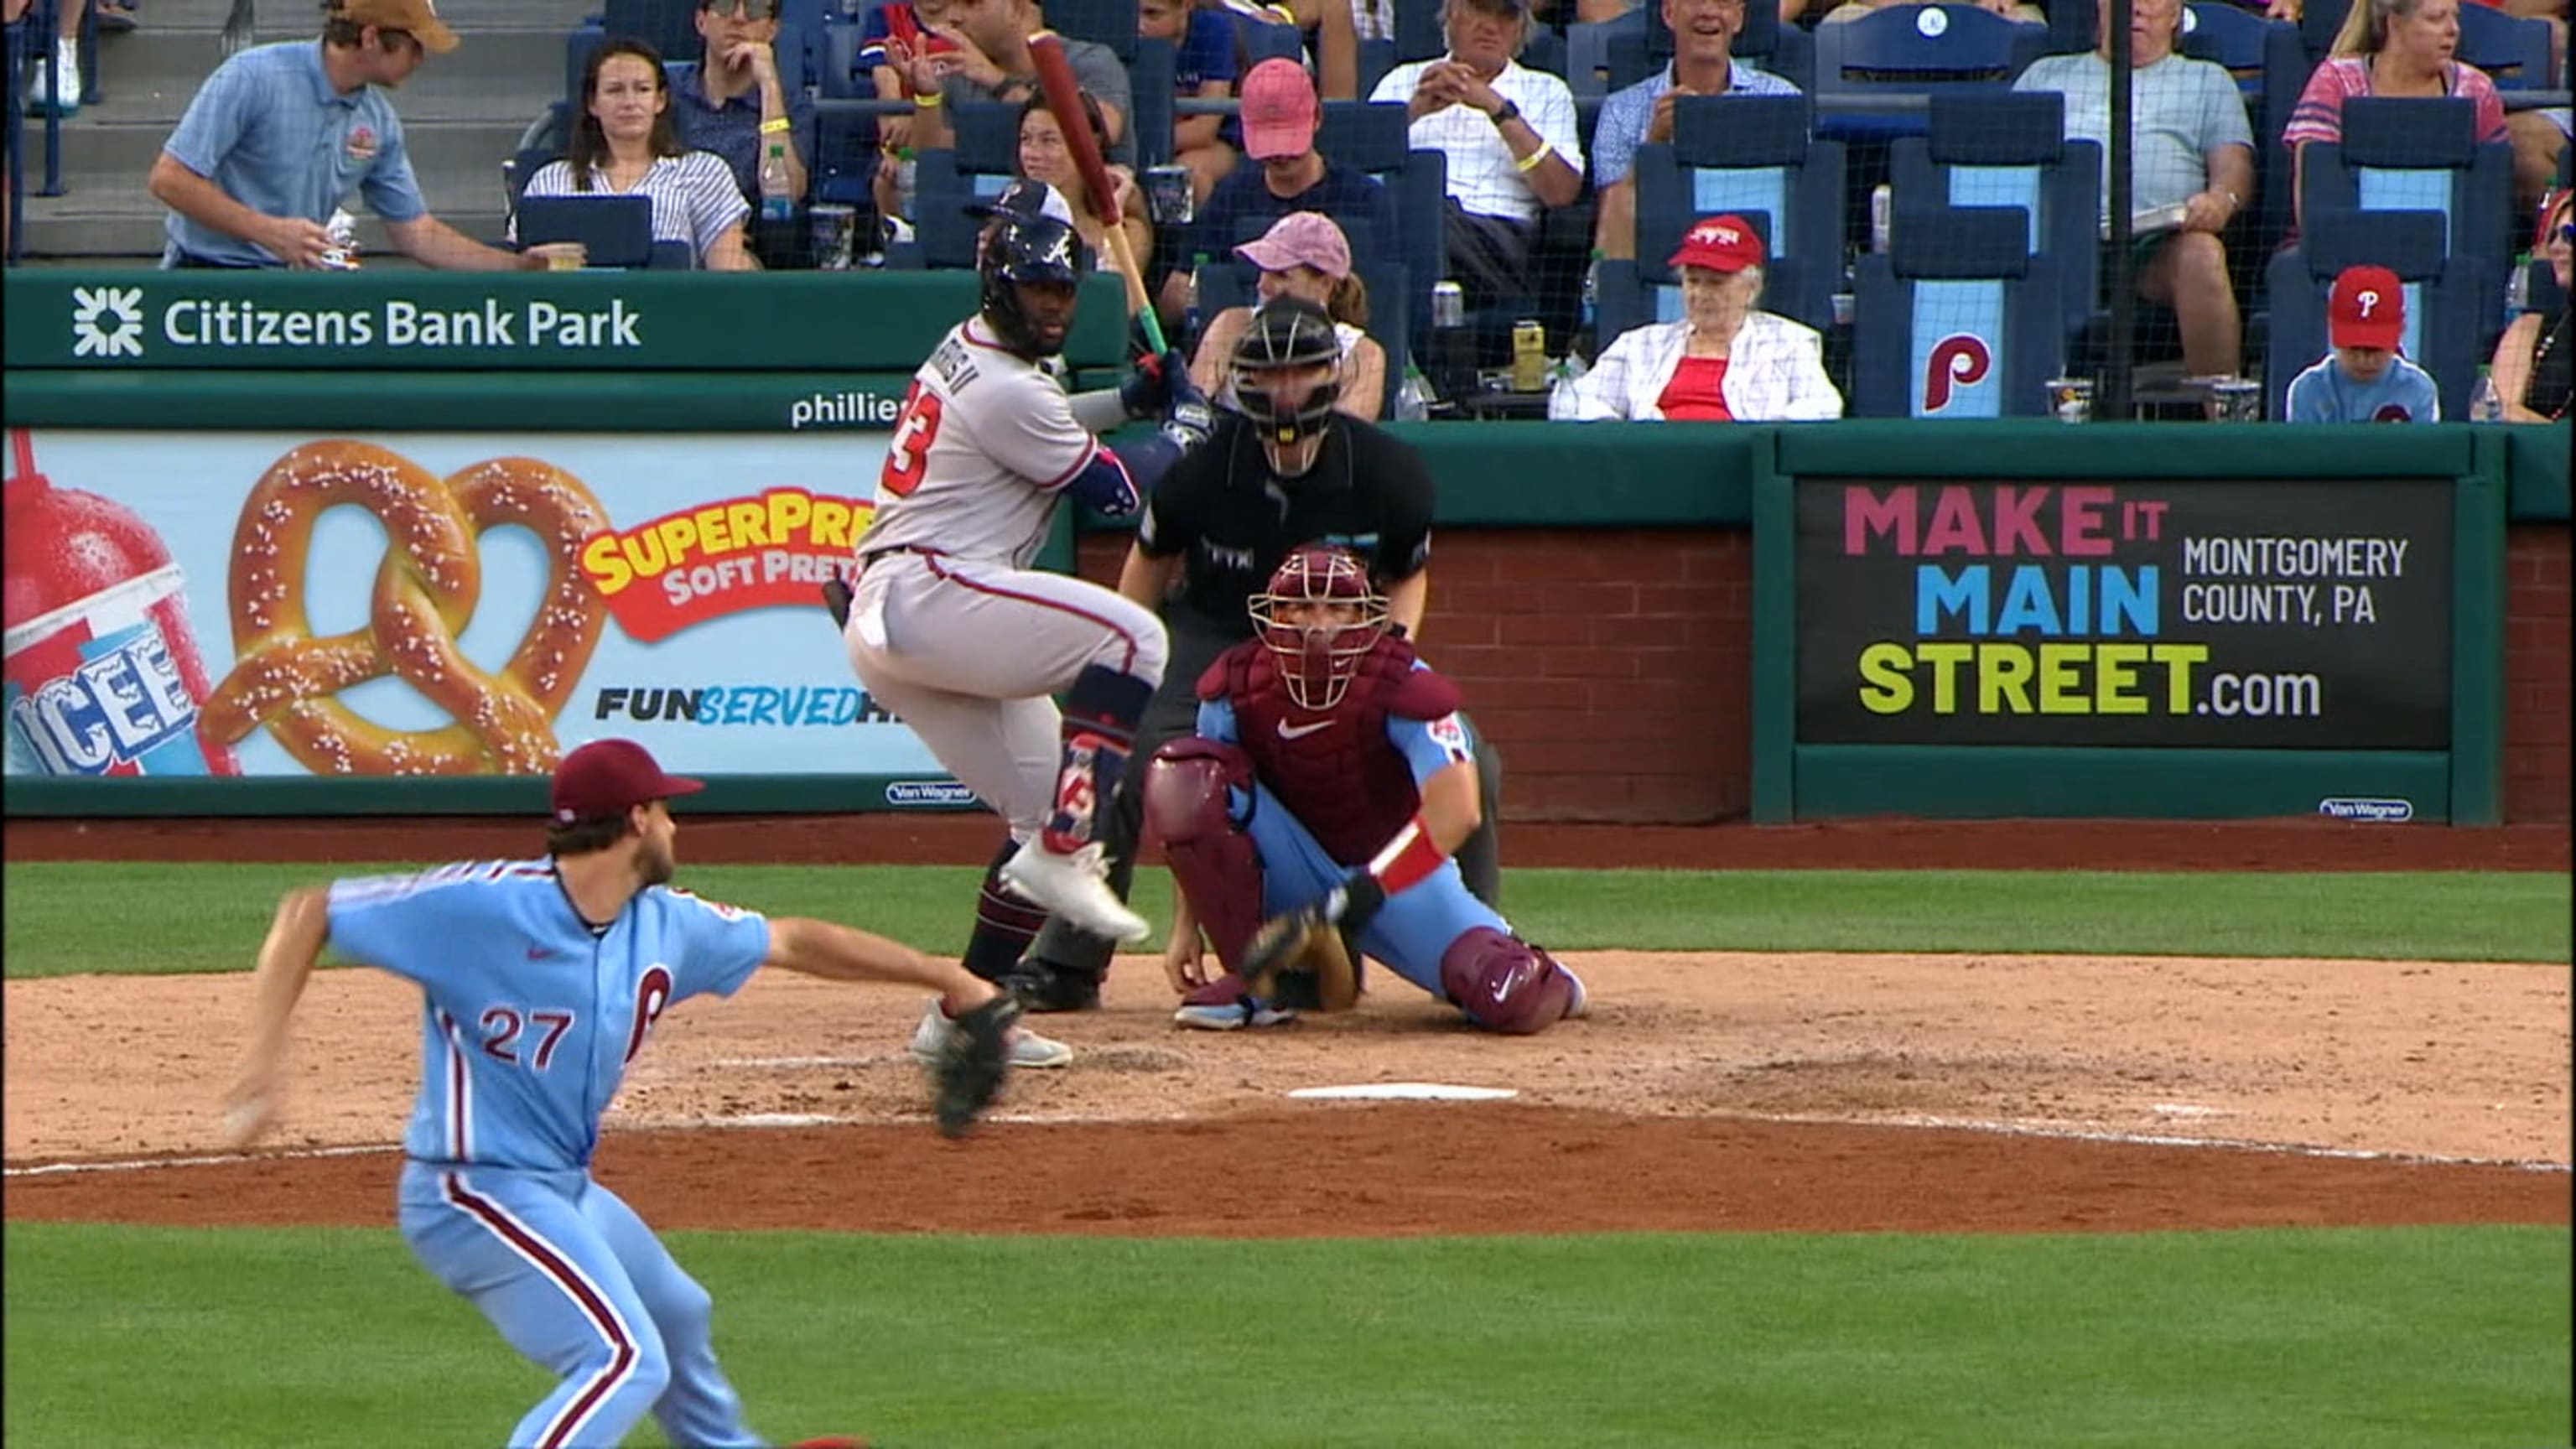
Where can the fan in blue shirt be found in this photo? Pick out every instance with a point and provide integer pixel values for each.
(2364, 379)
(540, 980)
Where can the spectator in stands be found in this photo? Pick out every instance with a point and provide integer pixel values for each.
(1725, 360)
(2363, 378)
(1303, 255)
(1509, 133)
(40, 84)
(2192, 149)
(991, 62)
(1851, 10)
(732, 100)
(1280, 112)
(1205, 70)
(2538, 134)
(1703, 64)
(2388, 48)
(624, 144)
(2534, 368)
(279, 133)
(1332, 31)
(1044, 157)
(10, 11)
(914, 27)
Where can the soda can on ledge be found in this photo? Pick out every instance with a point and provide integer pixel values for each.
(1169, 201)
(836, 232)
(1448, 305)
(1529, 355)
(2070, 399)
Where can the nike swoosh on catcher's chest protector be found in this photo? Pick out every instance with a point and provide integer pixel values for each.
(1299, 732)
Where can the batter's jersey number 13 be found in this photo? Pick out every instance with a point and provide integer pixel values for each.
(916, 427)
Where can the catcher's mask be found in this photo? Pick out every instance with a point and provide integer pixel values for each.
(1287, 334)
(1025, 249)
(1320, 616)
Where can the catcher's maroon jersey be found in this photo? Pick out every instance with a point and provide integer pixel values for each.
(1334, 769)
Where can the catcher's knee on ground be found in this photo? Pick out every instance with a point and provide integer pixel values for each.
(1504, 983)
(1214, 864)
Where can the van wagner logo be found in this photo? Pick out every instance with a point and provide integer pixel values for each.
(107, 321)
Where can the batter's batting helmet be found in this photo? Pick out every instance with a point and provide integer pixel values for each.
(1319, 653)
(1025, 248)
(1287, 332)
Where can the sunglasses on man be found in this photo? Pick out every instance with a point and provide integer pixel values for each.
(742, 9)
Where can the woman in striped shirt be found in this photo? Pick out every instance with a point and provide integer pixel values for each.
(624, 143)
(2389, 48)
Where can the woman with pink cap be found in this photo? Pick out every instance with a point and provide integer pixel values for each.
(1304, 254)
(1725, 360)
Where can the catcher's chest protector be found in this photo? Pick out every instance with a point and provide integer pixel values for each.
(1336, 771)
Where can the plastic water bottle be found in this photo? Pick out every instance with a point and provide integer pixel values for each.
(1412, 399)
(777, 199)
(1190, 299)
(907, 178)
(1591, 323)
(1562, 403)
(2517, 289)
(2484, 405)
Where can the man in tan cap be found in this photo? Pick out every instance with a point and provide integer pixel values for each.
(279, 133)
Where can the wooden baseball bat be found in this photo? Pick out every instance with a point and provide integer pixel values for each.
(1064, 100)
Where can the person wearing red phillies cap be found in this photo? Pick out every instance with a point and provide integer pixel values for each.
(540, 980)
(1725, 360)
(2364, 379)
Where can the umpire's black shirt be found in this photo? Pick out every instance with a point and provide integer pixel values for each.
(1235, 518)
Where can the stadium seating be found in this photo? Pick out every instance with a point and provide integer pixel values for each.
(983, 161)
(2011, 150)
(1376, 138)
(1957, 319)
(2448, 307)
(2419, 155)
(1751, 155)
(2514, 53)
(1231, 285)
(1914, 50)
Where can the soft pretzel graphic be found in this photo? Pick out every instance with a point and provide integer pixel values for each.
(425, 591)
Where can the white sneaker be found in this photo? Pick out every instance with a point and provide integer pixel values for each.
(40, 88)
(1075, 887)
(1028, 1049)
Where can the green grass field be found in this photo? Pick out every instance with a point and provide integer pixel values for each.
(2419, 1337)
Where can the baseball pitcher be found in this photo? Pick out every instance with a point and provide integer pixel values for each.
(1326, 789)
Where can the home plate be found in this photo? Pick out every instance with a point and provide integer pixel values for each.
(1403, 1092)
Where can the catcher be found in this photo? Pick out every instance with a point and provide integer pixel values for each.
(1327, 785)
(540, 981)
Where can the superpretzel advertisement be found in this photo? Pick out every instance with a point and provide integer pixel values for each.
(271, 604)
(2236, 614)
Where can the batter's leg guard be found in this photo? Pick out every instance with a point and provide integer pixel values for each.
(1100, 715)
(1504, 983)
(1214, 863)
(1005, 921)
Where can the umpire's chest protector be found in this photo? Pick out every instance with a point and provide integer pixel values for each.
(1335, 770)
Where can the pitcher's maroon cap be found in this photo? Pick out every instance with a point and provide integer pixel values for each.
(610, 777)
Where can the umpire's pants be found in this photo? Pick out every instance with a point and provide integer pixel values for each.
(1172, 713)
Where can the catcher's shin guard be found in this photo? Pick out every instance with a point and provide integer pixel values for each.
(1214, 863)
(1100, 714)
(1504, 983)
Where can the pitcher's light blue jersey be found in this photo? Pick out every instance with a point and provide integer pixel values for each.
(529, 1017)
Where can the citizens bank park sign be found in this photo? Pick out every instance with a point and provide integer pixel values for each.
(112, 322)
(2218, 614)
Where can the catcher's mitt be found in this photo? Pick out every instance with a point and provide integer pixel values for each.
(973, 1060)
(1303, 941)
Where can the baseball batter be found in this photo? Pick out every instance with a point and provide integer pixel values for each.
(1331, 780)
(540, 981)
(951, 628)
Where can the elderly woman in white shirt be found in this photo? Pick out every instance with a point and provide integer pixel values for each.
(1724, 361)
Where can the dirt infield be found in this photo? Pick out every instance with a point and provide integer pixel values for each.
(1707, 1092)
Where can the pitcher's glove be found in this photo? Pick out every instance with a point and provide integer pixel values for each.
(1309, 940)
(973, 1060)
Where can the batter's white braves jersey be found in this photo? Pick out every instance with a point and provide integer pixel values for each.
(984, 445)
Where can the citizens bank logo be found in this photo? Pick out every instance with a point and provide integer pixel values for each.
(107, 321)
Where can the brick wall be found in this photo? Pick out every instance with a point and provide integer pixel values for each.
(2536, 698)
(1614, 668)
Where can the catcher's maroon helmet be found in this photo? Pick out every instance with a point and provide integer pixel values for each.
(1319, 655)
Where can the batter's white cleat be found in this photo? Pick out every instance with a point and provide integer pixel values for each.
(1075, 887)
(1028, 1049)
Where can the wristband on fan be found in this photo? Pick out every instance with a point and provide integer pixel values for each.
(773, 125)
(1535, 159)
(934, 98)
(1408, 859)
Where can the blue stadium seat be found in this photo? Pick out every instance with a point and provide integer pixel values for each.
(1377, 57)
(1956, 320)
(2514, 53)
(1110, 22)
(2011, 150)
(2320, 21)
(983, 161)
(1376, 138)
(838, 76)
(1418, 35)
(1271, 42)
(1914, 49)
(1222, 286)
(1752, 155)
(671, 25)
(2269, 63)
(2419, 154)
(672, 256)
(2448, 308)
(1587, 53)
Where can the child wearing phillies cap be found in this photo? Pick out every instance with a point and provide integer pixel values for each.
(2364, 379)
